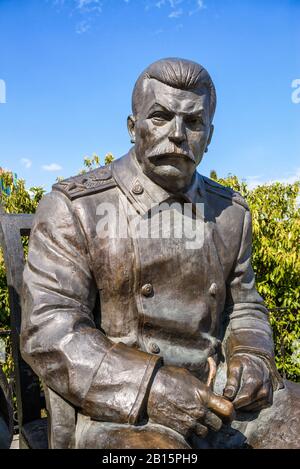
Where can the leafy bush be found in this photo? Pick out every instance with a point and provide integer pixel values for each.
(15, 199)
(276, 262)
(94, 161)
(19, 200)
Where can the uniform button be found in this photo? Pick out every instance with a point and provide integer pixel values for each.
(213, 289)
(137, 188)
(147, 289)
(154, 348)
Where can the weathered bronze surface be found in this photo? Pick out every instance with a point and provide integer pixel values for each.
(122, 326)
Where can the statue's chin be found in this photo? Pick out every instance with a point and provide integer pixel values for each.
(169, 171)
(170, 177)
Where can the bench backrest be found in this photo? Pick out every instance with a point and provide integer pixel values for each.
(12, 228)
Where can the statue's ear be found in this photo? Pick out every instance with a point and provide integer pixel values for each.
(211, 131)
(131, 127)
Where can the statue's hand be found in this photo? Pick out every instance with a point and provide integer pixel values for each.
(249, 384)
(180, 401)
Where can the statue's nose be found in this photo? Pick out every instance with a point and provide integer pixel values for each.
(178, 135)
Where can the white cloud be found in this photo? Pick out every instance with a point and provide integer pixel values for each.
(86, 5)
(254, 181)
(26, 162)
(176, 13)
(174, 3)
(2, 92)
(51, 167)
(89, 5)
(290, 178)
(82, 27)
(90, 9)
(199, 6)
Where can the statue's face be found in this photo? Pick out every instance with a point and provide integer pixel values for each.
(171, 132)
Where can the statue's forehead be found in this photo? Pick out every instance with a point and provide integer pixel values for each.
(174, 98)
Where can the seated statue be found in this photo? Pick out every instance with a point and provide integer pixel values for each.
(140, 312)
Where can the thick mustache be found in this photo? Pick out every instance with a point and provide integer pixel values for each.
(166, 156)
(163, 151)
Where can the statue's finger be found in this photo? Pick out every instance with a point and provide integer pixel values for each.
(212, 421)
(233, 381)
(221, 407)
(200, 430)
(255, 406)
(247, 394)
(266, 393)
(263, 399)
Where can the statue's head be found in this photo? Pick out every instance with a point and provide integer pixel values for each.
(173, 104)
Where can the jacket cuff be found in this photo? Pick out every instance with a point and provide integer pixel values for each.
(120, 387)
(251, 330)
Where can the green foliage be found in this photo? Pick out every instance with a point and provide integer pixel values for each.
(4, 306)
(91, 162)
(20, 200)
(8, 366)
(213, 175)
(109, 157)
(276, 262)
(94, 162)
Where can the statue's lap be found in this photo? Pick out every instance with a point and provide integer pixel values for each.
(277, 426)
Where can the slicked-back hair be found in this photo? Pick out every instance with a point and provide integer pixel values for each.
(177, 73)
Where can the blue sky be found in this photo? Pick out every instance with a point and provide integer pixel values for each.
(69, 68)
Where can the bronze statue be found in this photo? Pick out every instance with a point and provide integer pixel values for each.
(123, 327)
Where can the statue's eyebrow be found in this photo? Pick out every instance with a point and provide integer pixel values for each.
(158, 106)
(161, 107)
(199, 112)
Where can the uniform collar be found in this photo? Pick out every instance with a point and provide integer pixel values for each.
(143, 192)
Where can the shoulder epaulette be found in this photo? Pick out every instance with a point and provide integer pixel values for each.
(97, 180)
(223, 191)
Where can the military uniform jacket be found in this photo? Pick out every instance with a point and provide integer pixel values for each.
(102, 312)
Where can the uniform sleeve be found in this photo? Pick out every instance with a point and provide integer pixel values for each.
(59, 338)
(249, 329)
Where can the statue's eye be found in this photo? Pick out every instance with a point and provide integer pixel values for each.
(194, 121)
(159, 116)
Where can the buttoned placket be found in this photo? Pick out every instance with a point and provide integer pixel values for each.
(143, 194)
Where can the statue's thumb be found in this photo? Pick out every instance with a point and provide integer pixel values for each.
(233, 383)
(221, 407)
